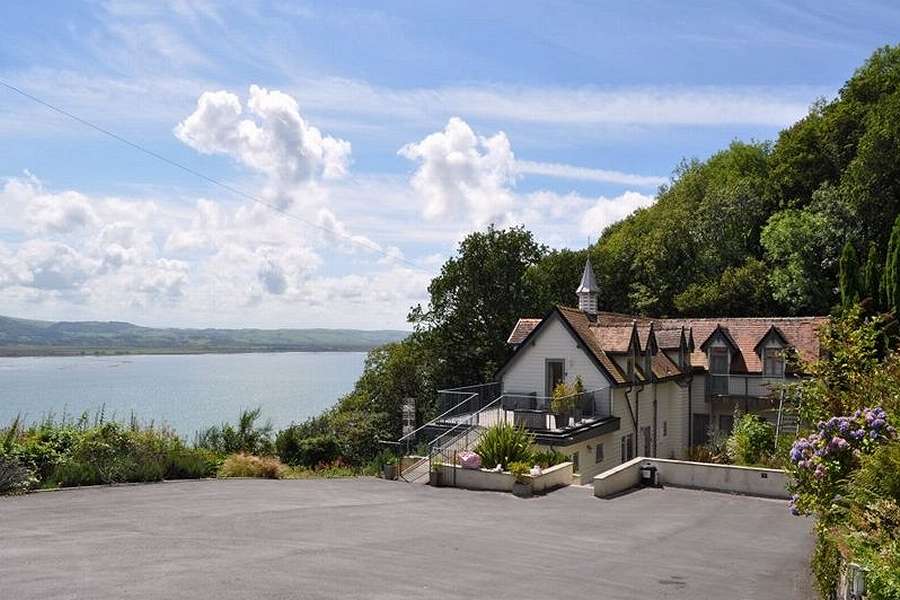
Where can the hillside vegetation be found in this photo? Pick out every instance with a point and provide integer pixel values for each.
(26, 337)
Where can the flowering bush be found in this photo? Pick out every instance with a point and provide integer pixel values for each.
(821, 461)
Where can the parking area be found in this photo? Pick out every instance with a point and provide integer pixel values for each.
(368, 538)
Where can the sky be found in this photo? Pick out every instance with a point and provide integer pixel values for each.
(362, 141)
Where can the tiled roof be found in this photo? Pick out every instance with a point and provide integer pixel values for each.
(663, 367)
(801, 334)
(669, 338)
(521, 330)
(611, 333)
(613, 338)
(581, 324)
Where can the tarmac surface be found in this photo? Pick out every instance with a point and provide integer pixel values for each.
(375, 539)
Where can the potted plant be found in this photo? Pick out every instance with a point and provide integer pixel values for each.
(389, 467)
(561, 404)
(434, 475)
(522, 486)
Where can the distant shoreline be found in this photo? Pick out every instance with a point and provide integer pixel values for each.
(14, 352)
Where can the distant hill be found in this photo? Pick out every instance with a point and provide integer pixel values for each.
(23, 337)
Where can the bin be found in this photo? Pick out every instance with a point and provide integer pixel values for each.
(648, 476)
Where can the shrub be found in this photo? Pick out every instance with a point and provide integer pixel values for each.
(247, 437)
(310, 451)
(752, 440)
(821, 462)
(520, 471)
(248, 465)
(503, 444)
(549, 458)
(15, 478)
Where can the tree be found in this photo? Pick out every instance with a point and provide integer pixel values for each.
(849, 277)
(740, 291)
(890, 283)
(800, 252)
(474, 302)
(872, 273)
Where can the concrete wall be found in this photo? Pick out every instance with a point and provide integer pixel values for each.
(617, 480)
(481, 479)
(587, 455)
(752, 481)
(527, 372)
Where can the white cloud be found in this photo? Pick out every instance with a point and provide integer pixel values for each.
(279, 142)
(527, 167)
(607, 211)
(460, 172)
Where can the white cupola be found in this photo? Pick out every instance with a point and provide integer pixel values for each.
(588, 291)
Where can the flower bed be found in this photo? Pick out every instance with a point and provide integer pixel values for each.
(502, 481)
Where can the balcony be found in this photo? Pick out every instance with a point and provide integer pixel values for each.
(527, 409)
(742, 386)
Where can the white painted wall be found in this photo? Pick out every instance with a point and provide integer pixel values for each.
(526, 374)
(753, 481)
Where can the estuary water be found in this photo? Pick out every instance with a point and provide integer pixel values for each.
(187, 392)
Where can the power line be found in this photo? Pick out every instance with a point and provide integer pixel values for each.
(237, 191)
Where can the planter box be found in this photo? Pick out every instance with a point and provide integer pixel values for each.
(481, 479)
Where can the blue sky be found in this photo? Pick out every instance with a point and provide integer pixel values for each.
(401, 127)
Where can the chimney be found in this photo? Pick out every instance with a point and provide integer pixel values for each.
(588, 291)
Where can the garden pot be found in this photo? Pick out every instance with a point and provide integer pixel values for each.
(562, 420)
(389, 471)
(522, 490)
(434, 478)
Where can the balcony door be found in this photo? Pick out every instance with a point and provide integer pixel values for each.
(555, 374)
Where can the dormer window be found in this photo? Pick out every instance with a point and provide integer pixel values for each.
(718, 361)
(719, 366)
(773, 362)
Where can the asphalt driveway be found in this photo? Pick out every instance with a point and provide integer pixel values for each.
(368, 538)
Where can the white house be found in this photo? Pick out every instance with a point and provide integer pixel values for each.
(653, 387)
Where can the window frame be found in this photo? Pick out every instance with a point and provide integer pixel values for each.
(778, 360)
(598, 453)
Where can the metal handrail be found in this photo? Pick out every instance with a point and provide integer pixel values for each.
(468, 418)
(437, 418)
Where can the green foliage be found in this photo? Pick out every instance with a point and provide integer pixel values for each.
(85, 452)
(740, 291)
(306, 451)
(849, 375)
(890, 285)
(800, 250)
(564, 398)
(247, 437)
(503, 444)
(871, 277)
(751, 440)
(474, 302)
(825, 563)
(519, 470)
(849, 276)
(548, 458)
(15, 478)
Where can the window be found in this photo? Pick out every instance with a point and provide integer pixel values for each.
(773, 362)
(627, 447)
(598, 453)
(575, 463)
(718, 370)
(556, 374)
(665, 428)
(718, 361)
